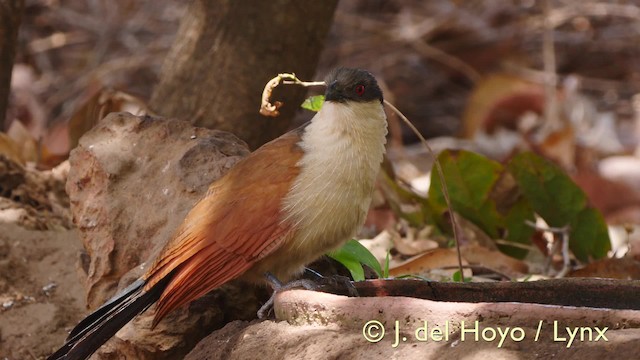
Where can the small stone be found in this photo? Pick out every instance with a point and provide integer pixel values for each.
(50, 286)
(7, 304)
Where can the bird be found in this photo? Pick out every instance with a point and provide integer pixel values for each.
(280, 208)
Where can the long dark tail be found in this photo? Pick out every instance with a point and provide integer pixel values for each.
(103, 323)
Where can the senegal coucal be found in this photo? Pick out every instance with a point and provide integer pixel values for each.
(283, 206)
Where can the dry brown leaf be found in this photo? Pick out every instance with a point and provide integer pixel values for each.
(100, 102)
(470, 234)
(10, 149)
(415, 242)
(559, 145)
(25, 143)
(608, 196)
(55, 146)
(498, 101)
(624, 268)
(380, 218)
(432, 260)
(494, 260)
(505, 192)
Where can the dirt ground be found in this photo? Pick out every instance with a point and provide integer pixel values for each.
(40, 293)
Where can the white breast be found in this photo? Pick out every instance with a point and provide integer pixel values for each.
(343, 146)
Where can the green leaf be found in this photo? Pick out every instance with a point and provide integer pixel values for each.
(589, 235)
(352, 255)
(483, 192)
(470, 179)
(313, 103)
(515, 222)
(559, 201)
(457, 277)
(354, 267)
(385, 274)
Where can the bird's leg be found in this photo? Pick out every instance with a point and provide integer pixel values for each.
(278, 286)
(334, 283)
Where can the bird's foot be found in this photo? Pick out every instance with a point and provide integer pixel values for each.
(335, 284)
(278, 286)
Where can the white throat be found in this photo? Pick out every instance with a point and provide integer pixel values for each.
(343, 149)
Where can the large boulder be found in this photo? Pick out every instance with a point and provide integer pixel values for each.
(132, 181)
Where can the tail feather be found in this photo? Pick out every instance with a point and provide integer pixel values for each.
(107, 308)
(103, 323)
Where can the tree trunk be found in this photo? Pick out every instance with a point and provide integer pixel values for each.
(10, 14)
(226, 51)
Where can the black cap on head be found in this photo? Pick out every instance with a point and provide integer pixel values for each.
(345, 84)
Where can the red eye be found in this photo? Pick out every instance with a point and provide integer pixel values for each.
(360, 90)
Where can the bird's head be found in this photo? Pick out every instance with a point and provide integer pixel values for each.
(344, 84)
